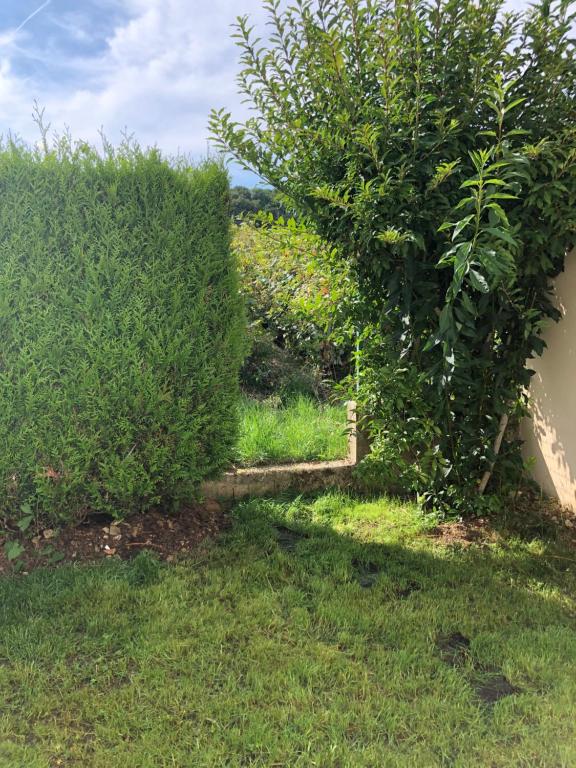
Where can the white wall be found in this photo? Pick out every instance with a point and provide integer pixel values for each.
(551, 433)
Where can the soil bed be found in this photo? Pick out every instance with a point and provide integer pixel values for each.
(169, 536)
(465, 532)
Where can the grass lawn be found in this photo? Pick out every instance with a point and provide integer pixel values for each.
(266, 649)
(300, 430)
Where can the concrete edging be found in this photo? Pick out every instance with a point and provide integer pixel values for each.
(303, 477)
(272, 480)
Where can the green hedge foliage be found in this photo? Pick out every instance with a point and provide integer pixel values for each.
(121, 331)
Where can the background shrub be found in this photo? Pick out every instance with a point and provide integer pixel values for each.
(121, 330)
(296, 294)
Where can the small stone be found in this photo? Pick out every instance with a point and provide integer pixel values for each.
(114, 530)
(569, 523)
(48, 533)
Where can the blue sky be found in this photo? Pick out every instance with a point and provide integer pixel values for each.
(155, 67)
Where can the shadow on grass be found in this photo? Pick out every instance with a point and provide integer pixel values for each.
(291, 532)
(331, 610)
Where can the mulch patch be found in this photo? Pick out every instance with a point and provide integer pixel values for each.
(168, 535)
(288, 538)
(465, 532)
(495, 688)
(366, 573)
(536, 515)
(527, 515)
(453, 648)
(410, 588)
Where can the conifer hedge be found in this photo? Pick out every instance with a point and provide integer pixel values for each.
(121, 330)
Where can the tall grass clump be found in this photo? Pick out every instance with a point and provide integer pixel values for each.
(121, 330)
(300, 429)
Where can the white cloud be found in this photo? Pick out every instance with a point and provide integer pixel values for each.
(158, 73)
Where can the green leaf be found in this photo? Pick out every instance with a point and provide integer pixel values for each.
(478, 281)
(517, 132)
(25, 522)
(462, 224)
(502, 234)
(499, 164)
(463, 251)
(513, 104)
(499, 211)
(501, 196)
(446, 321)
(468, 304)
(13, 550)
(463, 202)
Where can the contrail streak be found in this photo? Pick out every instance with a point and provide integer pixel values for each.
(34, 13)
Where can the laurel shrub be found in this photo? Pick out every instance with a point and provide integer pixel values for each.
(432, 145)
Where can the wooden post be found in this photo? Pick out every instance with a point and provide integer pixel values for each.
(358, 442)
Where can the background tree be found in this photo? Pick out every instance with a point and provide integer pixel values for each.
(244, 200)
(433, 143)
